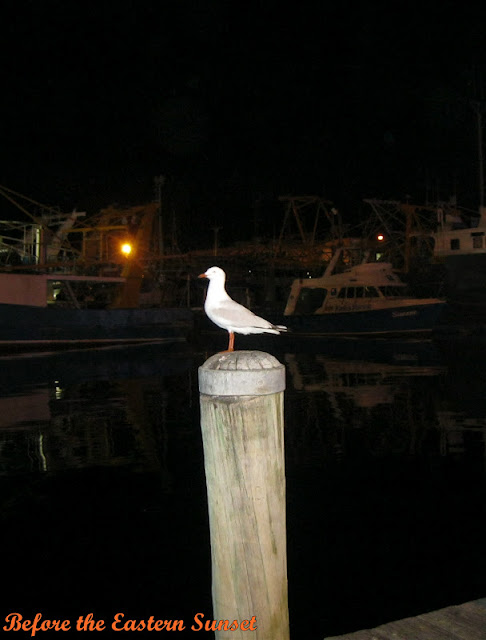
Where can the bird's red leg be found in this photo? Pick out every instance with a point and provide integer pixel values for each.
(231, 345)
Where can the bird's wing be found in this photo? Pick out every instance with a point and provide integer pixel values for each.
(233, 314)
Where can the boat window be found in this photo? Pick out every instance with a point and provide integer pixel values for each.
(333, 291)
(309, 300)
(392, 291)
(371, 292)
(360, 292)
(477, 242)
(455, 244)
(342, 293)
(350, 292)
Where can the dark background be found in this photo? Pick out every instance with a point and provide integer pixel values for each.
(237, 103)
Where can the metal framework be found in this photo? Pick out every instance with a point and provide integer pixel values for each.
(406, 228)
(298, 207)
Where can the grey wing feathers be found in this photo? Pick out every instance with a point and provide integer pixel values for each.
(239, 316)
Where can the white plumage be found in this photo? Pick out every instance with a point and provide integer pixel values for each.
(230, 315)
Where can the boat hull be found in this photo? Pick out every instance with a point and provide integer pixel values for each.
(23, 325)
(417, 318)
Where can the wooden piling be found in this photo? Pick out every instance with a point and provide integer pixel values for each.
(241, 396)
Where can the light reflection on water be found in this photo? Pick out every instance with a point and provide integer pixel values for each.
(389, 404)
(385, 456)
(103, 407)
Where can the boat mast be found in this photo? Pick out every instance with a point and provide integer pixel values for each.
(478, 108)
(480, 152)
(478, 105)
(159, 182)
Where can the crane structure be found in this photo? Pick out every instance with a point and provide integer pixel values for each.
(401, 231)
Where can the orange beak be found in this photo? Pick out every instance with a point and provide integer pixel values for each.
(202, 275)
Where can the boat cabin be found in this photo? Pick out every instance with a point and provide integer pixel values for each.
(460, 242)
(453, 238)
(58, 290)
(357, 289)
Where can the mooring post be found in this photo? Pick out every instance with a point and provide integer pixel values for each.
(241, 395)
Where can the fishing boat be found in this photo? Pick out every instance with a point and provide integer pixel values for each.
(29, 320)
(67, 282)
(367, 298)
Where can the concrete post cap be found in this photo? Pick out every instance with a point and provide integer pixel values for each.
(241, 373)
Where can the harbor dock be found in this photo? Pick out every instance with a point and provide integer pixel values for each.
(461, 622)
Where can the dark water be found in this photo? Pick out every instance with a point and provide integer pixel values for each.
(103, 503)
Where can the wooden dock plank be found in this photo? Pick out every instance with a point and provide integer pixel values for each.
(459, 622)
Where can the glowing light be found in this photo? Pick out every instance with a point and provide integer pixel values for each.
(126, 248)
(380, 237)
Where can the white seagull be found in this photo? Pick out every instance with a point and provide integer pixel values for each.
(230, 315)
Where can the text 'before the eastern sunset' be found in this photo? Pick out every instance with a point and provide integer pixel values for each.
(121, 622)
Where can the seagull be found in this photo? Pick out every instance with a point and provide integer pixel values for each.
(230, 315)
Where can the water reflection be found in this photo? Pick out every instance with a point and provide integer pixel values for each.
(110, 407)
(385, 443)
(100, 452)
(396, 401)
(102, 495)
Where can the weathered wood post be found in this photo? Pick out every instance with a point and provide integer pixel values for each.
(241, 395)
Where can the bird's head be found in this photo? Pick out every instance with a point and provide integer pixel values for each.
(214, 273)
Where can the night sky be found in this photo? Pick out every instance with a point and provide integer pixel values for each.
(238, 103)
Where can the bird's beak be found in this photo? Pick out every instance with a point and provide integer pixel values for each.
(202, 275)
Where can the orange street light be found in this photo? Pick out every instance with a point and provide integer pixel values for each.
(126, 249)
